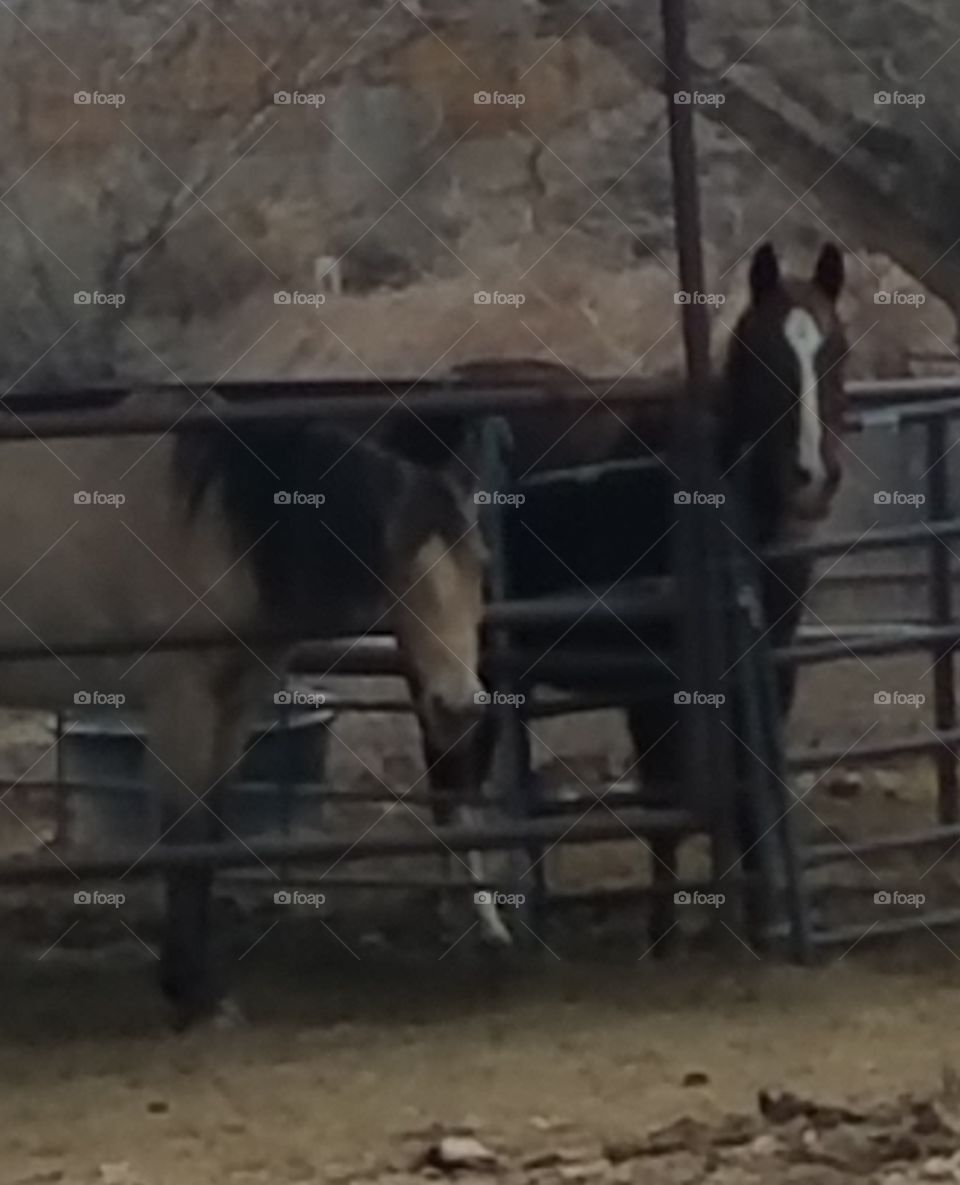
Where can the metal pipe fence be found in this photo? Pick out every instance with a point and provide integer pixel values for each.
(693, 596)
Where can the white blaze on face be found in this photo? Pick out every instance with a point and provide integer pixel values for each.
(805, 337)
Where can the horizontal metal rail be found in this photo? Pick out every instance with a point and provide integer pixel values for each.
(862, 754)
(653, 599)
(98, 411)
(567, 899)
(929, 837)
(917, 638)
(353, 403)
(935, 919)
(134, 863)
(589, 472)
(877, 540)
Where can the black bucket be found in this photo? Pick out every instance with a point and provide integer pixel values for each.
(102, 771)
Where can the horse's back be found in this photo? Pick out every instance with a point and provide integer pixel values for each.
(97, 541)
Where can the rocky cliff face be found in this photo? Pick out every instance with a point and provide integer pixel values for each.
(435, 150)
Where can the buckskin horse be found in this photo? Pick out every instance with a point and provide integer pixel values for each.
(310, 529)
(778, 407)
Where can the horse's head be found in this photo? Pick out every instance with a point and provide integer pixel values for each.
(783, 392)
(438, 574)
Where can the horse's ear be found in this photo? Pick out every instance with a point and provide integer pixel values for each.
(764, 272)
(829, 273)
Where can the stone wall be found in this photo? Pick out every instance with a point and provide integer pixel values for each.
(399, 196)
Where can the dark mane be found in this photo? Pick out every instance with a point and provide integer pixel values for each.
(375, 503)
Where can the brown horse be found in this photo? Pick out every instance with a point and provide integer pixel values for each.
(778, 408)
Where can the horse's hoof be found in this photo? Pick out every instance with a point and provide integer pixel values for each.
(495, 933)
(221, 1016)
(228, 1016)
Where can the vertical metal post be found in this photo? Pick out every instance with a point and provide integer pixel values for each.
(61, 827)
(707, 747)
(510, 766)
(941, 613)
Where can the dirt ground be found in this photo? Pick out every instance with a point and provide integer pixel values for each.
(577, 1057)
(346, 1071)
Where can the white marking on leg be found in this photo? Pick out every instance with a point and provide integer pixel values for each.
(805, 337)
(491, 924)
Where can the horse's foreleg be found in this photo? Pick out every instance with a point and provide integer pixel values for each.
(455, 777)
(658, 760)
(193, 742)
